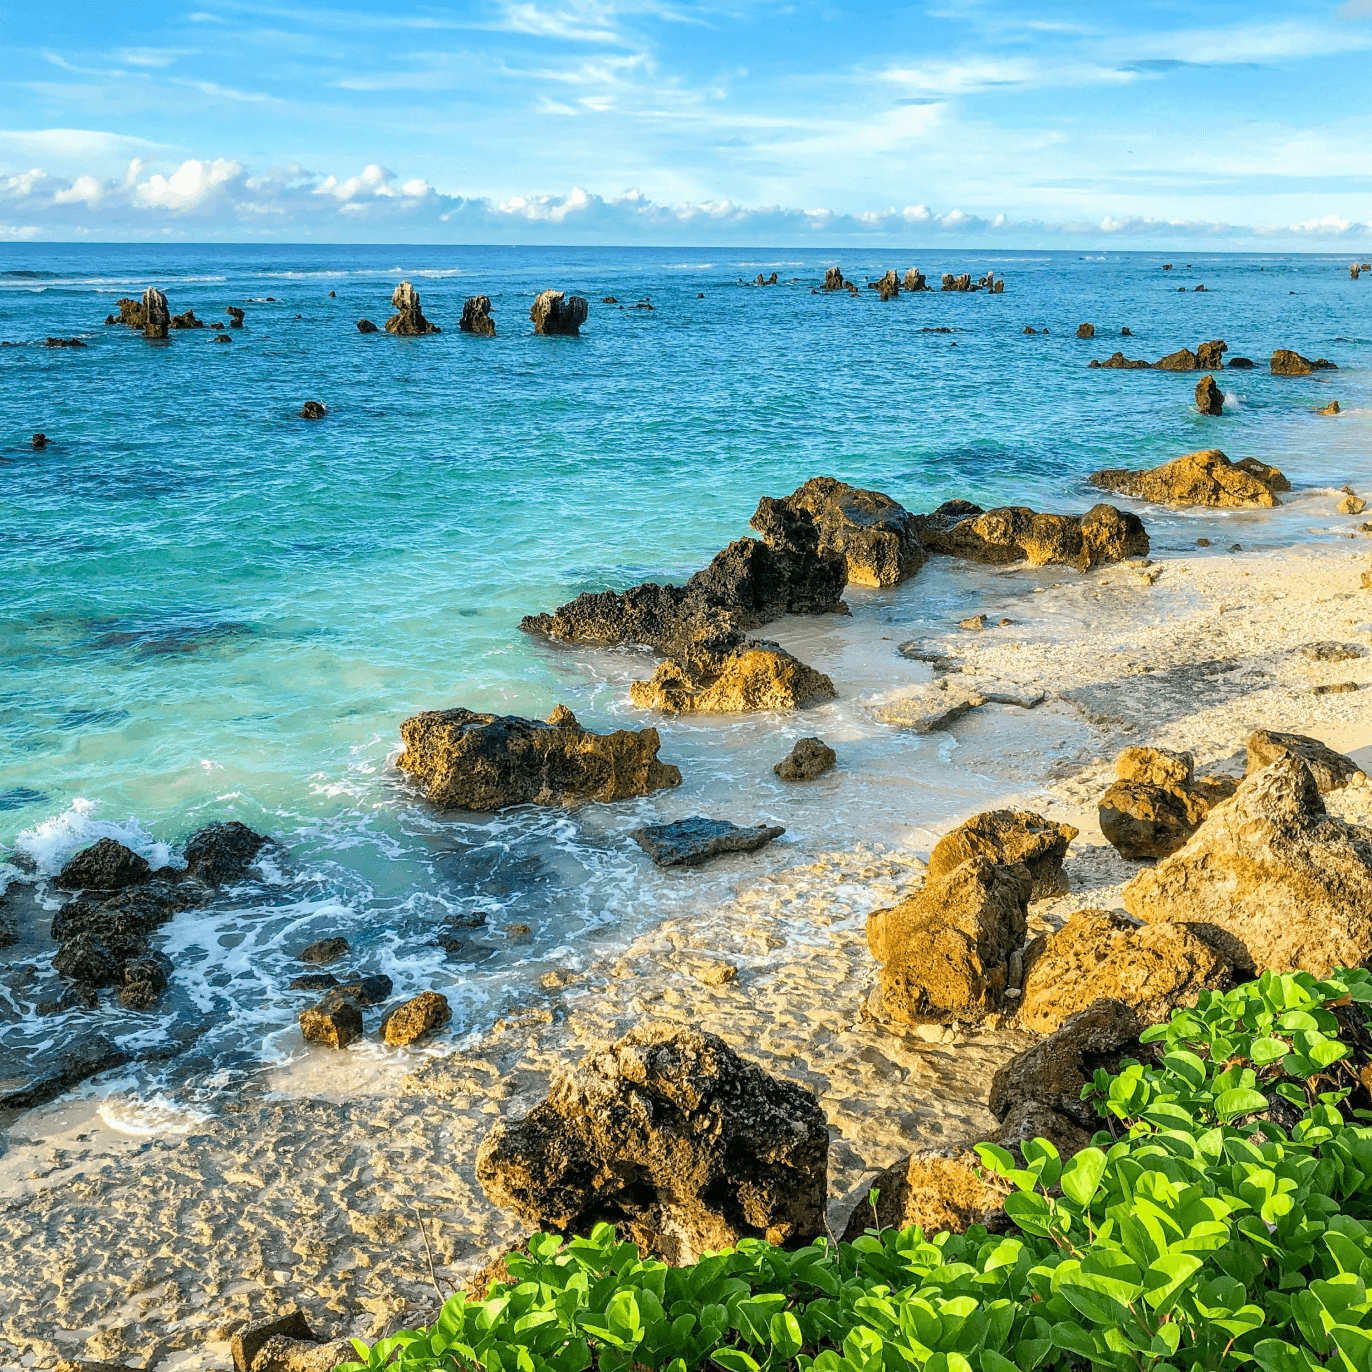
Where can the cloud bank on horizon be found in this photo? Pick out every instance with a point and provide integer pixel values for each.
(1030, 123)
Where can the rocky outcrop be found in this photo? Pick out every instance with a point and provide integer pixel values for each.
(945, 951)
(222, 852)
(186, 320)
(416, 1018)
(694, 841)
(754, 676)
(958, 283)
(1332, 771)
(1209, 397)
(324, 950)
(1016, 533)
(914, 280)
(366, 326)
(1008, 836)
(555, 312)
(131, 313)
(103, 936)
(1052, 1072)
(1206, 477)
(1210, 356)
(672, 1137)
(106, 865)
(888, 287)
(408, 321)
(313, 409)
(478, 761)
(236, 316)
(1152, 969)
(1331, 408)
(833, 279)
(1086, 330)
(1117, 362)
(335, 1021)
(877, 537)
(1272, 878)
(56, 1070)
(476, 316)
(1157, 804)
(810, 758)
(156, 315)
(1183, 360)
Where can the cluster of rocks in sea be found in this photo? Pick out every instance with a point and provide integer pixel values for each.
(1208, 356)
(152, 316)
(891, 283)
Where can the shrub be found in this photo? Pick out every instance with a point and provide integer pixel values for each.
(1197, 1232)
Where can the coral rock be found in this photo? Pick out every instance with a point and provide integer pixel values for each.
(810, 758)
(691, 842)
(877, 538)
(555, 312)
(1206, 477)
(426, 1012)
(1008, 836)
(1209, 397)
(476, 316)
(155, 313)
(408, 320)
(1146, 821)
(1015, 533)
(105, 866)
(222, 852)
(754, 676)
(1332, 771)
(335, 1021)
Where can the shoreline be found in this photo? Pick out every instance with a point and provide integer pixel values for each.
(150, 1249)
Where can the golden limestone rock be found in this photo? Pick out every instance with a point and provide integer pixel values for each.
(1206, 477)
(755, 676)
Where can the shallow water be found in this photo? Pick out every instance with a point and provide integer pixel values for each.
(215, 609)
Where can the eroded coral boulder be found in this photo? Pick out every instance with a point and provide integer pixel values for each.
(222, 852)
(1288, 362)
(754, 676)
(945, 951)
(408, 320)
(1332, 771)
(1183, 360)
(422, 1015)
(697, 840)
(1016, 533)
(1150, 968)
(833, 279)
(1209, 397)
(106, 865)
(810, 758)
(1210, 356)
(479, 761)
(335, 1021)
(1275, 881)
(476, 316)
(1142, 820)
(1009, 836)
(876, 536)
(1205, 477)
(555, 312)
(156, 314)
(672, 1136)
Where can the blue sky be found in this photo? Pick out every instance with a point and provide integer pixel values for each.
(1148, 124)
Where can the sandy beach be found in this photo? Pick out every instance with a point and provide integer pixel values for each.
(148, 1250)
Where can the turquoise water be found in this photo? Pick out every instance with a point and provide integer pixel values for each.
(214, 608)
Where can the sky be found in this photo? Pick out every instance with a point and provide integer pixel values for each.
(1027, 124)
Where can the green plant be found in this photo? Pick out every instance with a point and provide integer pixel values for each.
(1198, 1234)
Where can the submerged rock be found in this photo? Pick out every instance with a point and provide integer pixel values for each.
(754, 676)
(1008, 836)
(366, 326)
(691, 842)
(56, 1070)
(555, 312)
(877, 537)
(945, 951)
(675, 1139)
(1332, 771)
(931, 708)
(810, 758)
(1016, 533)
(476, 316)
(1272, 879)
(408, 321)
(1152, 969)
(313, 409)
(324, 950)
(1206, 477)
(478, 761)
(222, 852)
(1209, 397)
(414, 1019)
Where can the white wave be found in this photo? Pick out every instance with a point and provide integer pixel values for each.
(52, 841)
(154, 1117)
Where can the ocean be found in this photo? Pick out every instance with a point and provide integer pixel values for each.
(213, 608)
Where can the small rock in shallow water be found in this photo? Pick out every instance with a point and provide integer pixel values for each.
(1209, 397)
(975, 622)
(811, 757)
(690, 842)
(222, 851)
(1331, 408)
(324, 950)
(313, 409)
(366, 326)
(40, 441)
(415, 1018)
(1352, 505)
(335, 1020)
(365, 991)
(314, 981)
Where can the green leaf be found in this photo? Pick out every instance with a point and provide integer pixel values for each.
(786, 1336)
(1082, 1175)
(1268, 1050)
(995, 1159)
(1239, 1101)
(1166, 1276)
(733, 1360)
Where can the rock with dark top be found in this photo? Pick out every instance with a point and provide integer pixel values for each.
(365, 991)
(691, 842)
(222, 852)
(1271, 878)
(1086, 330)
(335, 1021)
(56, 1070)
(105, 866)
(1209, 397)
(756, 675)
(810, 758)
(222, 338)
(39, 441)
(1117, 362)
(476, 316)
(87, 959)
(366, 326)
(1153, 969)
(408, 321)
(324, 950)
(888, 288)
(945, 951)
(1206, 477)
(156, 313)
(555, 312)
(145, 978)
(236, 316)
(1008, 836)
(833, 279)
(131, 313)
(313, 409)
(64, 343)
(187, 320)
(1210, 356)
(877, 537)
(1183, 360)
(1015, 533)
(484, 762)
(314, 981)
(675, 1139)
(123, 919)
(1053, 1071)
(1332, 771)
(248, 1340)
(414, 1019)
(1242, 364)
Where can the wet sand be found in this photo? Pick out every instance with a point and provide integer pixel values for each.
(149, 1250)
